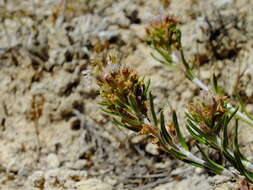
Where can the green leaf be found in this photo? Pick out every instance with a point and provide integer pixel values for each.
(165, 55)
(120, 104)
(146, 88)
(235, 141)
(225, 151)
(239, 157)
(188, 71)
(208, 137)
(202, 166)
(164, 132)
(241, 168)
(117, 122)
(218, 126)
(190, 117)
(232, 115)
(134, 122)
(215, 84)
(179, 134)
(110, 112)
(213, 165)
(105, 104)
(134, 104)
(196, 136)
(194, 163)
(152, 109)
(160, 61)
(177, 154)
(225, 137)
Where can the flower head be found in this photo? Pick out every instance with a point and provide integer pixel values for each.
(162, 33)
(207, 110)
(117, 81)
(124, 94)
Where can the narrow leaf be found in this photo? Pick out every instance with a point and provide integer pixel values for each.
(177, 154)
(235, 143)
(134, 105)
(164, 132)
(232, 115)
(196, 136)
(215, 84)
(194, 164)
(161, 61)
(146, 88)
(225, 151)
(212, 164)
(105, 104)
(152, 109)
(218, 126)
(117, 122)
(110, 112)
(130, 121)
(201, 133)
(179, 134)
(165, 55)
(241, 168)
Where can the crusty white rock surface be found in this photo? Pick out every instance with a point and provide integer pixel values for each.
(45, 47)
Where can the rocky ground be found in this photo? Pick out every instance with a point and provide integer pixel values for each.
(52, 133)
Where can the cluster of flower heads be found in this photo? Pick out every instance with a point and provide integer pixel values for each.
(123, 93)
(116, 80)
(125, 96)
(163, 33)
(164, 36)
(117, 84)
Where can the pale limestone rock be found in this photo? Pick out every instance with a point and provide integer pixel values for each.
(93, 184)
(152, 149)
(53, 161)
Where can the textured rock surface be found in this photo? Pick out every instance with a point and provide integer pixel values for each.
(44, 48)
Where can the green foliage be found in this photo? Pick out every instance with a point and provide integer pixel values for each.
(127, 98)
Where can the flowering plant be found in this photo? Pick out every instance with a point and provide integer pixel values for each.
(127, 98)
